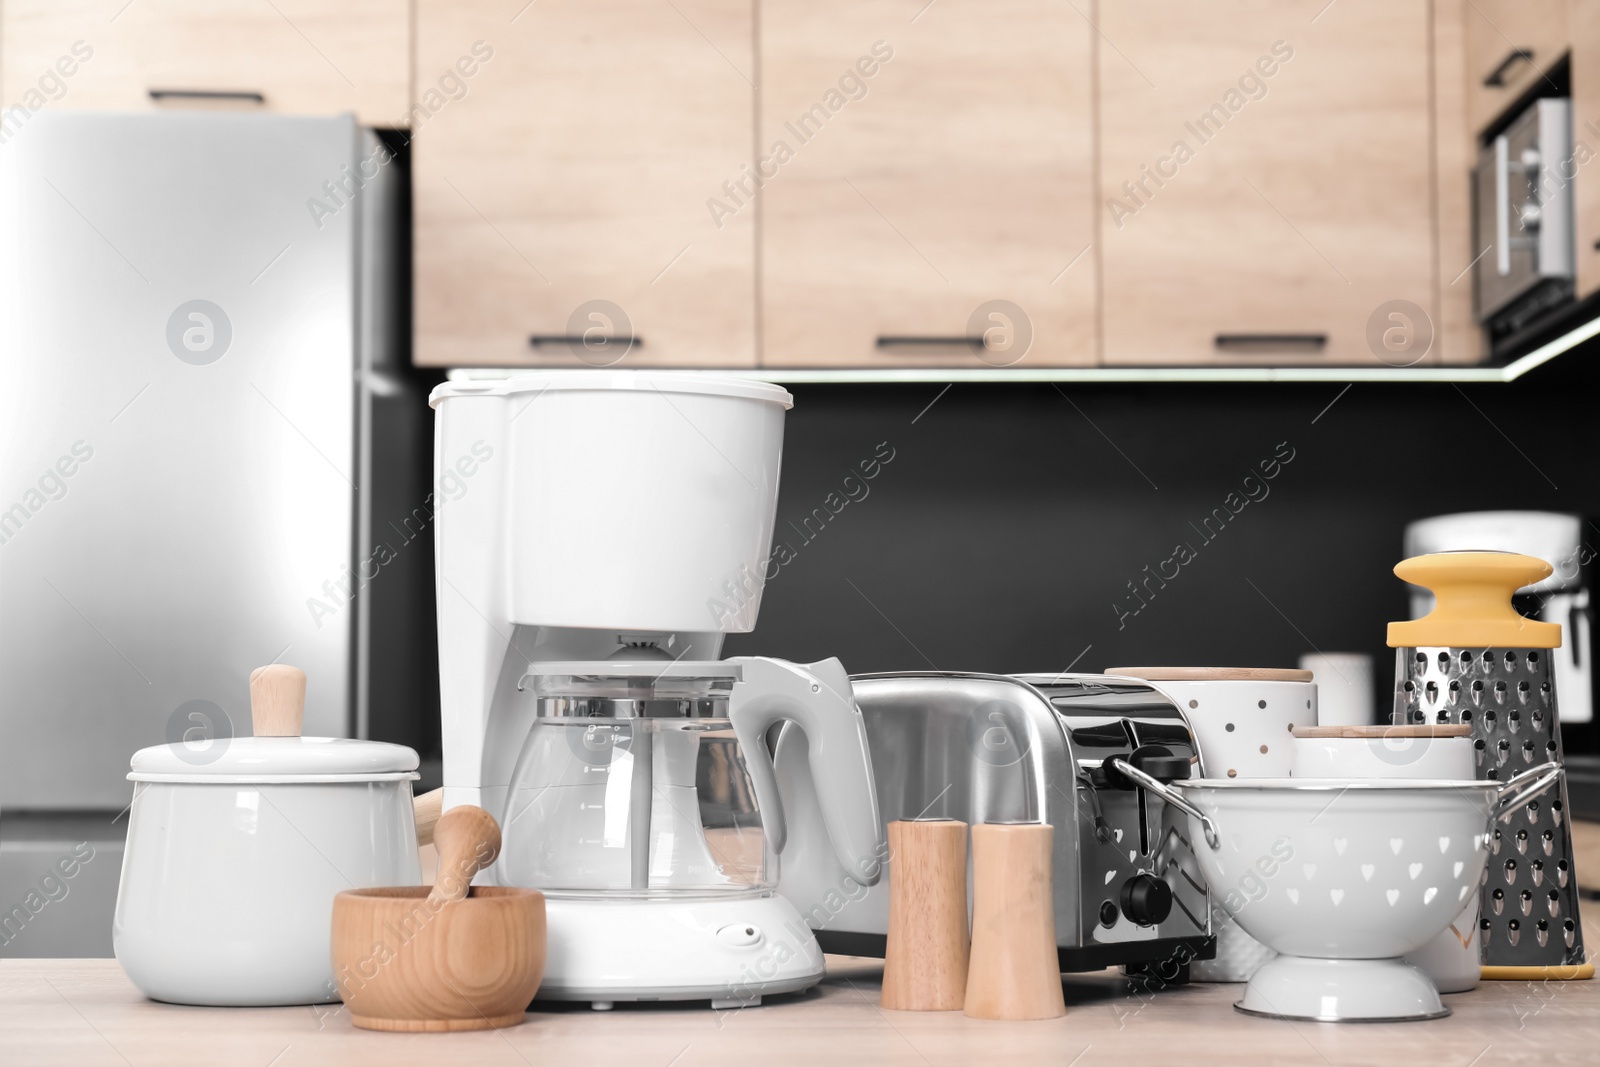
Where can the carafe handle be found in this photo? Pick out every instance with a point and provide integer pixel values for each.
(818, 699)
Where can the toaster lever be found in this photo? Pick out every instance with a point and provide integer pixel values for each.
(1156, 761)
(1102, 829)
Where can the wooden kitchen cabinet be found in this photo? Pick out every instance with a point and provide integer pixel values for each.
(291, 56)
(1510, 45)
(1583, 20)
(919, 162)
(576, 168)
(1267, 182)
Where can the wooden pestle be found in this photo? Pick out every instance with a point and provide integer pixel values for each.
(468, 840)
(426, 810)
(277, 700)
(1014, 972)
(925, 966)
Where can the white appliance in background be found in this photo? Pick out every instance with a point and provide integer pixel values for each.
(190, 363)
(1523, 211)
(1344, 687)
(1561, 598)
(616, 526)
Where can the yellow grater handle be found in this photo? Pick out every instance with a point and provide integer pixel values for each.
(1472, 602)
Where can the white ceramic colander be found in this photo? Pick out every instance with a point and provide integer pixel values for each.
(1342, 877)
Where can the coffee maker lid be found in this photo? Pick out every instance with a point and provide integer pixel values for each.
(639, 381)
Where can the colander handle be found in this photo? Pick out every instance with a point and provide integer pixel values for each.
(1171, 796)
(1516, 790)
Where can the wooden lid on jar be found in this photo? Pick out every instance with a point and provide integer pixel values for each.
(1213, 674)
(1462, 729)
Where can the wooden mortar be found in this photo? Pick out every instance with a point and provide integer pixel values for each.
(441, 959)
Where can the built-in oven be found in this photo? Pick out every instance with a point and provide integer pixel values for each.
(1522, 194)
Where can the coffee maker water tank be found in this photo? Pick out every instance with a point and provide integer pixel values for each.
(1561, 598)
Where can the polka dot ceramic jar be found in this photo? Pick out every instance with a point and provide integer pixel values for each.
(1242, 717)
(1243, 720)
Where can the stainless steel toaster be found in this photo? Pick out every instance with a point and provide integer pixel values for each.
(1026, 748)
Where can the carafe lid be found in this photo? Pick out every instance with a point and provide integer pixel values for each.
(628, 689)
(631, 679)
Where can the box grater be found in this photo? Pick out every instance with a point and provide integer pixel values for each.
(1474, 660)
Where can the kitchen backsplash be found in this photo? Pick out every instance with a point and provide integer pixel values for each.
(1041, 528)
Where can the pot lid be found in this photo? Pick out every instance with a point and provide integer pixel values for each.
(664, 381)
(277, 752)
(266, 758)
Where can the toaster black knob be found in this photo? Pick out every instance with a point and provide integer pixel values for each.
(1146, 899)
(1160, 764)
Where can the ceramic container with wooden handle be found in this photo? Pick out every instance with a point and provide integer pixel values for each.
(236, 850)
(448, 958)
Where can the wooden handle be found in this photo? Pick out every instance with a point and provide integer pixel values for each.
(1014, 972)
(925, 966)
(1472, 602)
(426, 809)
(277, 700)
(468, 840)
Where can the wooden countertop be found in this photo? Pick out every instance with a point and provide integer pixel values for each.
(85, 1013)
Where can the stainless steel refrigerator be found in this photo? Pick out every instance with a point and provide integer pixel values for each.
(200, 324)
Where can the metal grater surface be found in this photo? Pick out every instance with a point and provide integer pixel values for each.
(1529, 910)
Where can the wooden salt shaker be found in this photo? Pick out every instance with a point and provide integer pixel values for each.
(925, 966)
(1014, 972)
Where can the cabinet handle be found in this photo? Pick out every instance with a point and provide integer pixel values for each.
(925, 342)
(1497, 76)
(234, 95)
(1272, 340)
(566, 339)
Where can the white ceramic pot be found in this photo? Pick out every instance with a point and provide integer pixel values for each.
(235, 853)
(1453, 959)
(1242, 718)
(1392, 752)
(1343, 878)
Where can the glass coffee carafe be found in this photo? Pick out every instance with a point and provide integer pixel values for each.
(632, 782)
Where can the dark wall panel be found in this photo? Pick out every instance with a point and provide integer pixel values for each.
(1004, 533)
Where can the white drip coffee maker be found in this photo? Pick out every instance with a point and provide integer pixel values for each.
(598, 532)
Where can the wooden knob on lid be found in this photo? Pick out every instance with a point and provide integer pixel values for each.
(277, 700)
(468, 840)
(925, 965)
(1015, 972)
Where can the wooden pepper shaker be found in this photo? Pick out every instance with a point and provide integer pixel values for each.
(925, 966)
(1014, 972)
